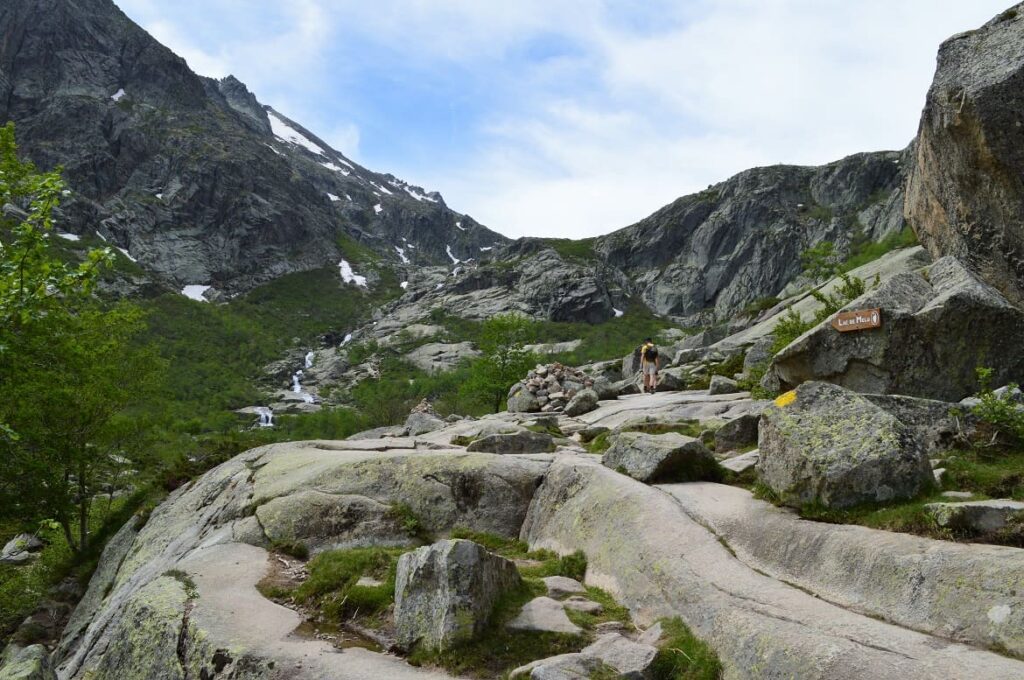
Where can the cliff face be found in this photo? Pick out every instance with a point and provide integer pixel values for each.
(965, 194)
(194, 177)
(711, 253)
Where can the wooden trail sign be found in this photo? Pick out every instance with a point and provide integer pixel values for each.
(858, 320)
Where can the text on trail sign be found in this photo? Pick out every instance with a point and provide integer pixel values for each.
(858, 320)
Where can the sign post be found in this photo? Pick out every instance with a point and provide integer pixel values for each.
(859, 320)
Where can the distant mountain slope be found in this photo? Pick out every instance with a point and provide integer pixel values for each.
(709, 254)
(192, 176)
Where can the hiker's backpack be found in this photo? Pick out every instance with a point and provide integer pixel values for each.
(651, 354)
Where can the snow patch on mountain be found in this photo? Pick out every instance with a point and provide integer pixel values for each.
(287, 133)
(349, 276)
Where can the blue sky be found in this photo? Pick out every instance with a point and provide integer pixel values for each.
(576, 117)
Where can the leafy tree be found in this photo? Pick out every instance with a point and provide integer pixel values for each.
(32, 282)
(821, 261)
(505, 359)
(74, 396)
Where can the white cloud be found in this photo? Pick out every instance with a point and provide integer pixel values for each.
(344, 137)
(647, 102)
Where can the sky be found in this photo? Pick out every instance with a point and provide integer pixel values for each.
(572, 118)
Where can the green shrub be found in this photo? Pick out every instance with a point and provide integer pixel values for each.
(333, 576)
(295, 549)
(573, 565)
(1000, 411)
(682, 656)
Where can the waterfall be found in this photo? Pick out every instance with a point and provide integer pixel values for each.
(348, 339)
(309, 360)
(297, 388)
(266, 416)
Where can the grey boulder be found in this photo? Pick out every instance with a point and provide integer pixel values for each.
(610, 652)
(445, 593)
(524, 441)
(722, 385)
(978, 517)
(737, 433)
(20, 549)
(827, 445)
(521, 400)
(26, 663)
(544, 615)
(938, 325)
(584, 401)
(653, 458)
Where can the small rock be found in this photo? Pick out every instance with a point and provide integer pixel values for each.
(976, 516)
(582, 604)
(722, 385)
(957, 494)
(939, 474)
(544, 615)
(585, 401)
(741, 462)
(561, 667)
(421, 423)
(652, 635)
(609, 627)
(523, 401)
(560, 586)
(21, 549)
(737, 433)
(631, 659)
(369, 582)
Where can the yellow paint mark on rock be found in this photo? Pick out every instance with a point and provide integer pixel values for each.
(786, 399)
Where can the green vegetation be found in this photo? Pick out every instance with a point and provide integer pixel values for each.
(332, 584)
(820, 262)
(759, 305)
(999, 410)
(683, 656)
(580, 250)
(822, 213)
(864, 251)
(504, 359)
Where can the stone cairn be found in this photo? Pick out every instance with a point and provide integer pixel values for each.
(553, 385)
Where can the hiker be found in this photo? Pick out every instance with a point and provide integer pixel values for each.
(649, 365)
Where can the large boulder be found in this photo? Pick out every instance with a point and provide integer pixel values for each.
(654, 458)
(827, 445)
(938, 326)
(937, 424)
(445, 593)
(523, 441)
(965, 194)
(440, 356)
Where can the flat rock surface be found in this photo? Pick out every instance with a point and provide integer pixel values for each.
(546, 615)
(953, 590)
(235, 616)
(646, 550)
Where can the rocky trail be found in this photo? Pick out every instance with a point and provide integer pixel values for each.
(775, 596)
